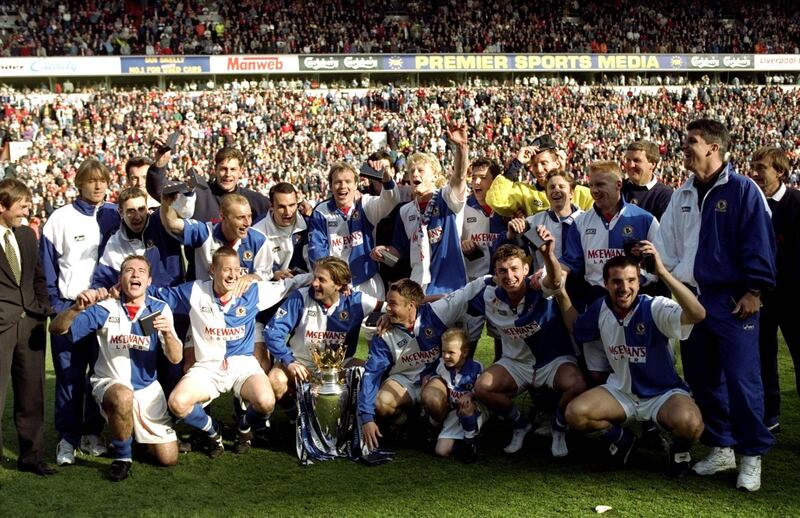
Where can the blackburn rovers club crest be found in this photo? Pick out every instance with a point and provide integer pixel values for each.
(627, 230)
(241, 311)
(435, 212)
(247, 255)
(722, 206)
(344, 315)
(640, 328)
(356, 215)
(428, 332)
(149, 244)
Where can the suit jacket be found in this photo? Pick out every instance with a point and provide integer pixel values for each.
(30, 296)
(785, 221)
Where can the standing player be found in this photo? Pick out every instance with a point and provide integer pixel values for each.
(319, 315)
(598, 235)
(124, 380)
(641, 187)
(223, 330)
(286, 231)
(635, 331)
(770, 167)
(428, 231)
(716, 236)
(72, 241)
(537, 351)
(344, 226)
(233, 231)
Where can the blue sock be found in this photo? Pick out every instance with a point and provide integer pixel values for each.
(122, 449)
(252, 418)
(516, 418)
(615, 433)
(470, 424)
(200, 420)
(559, 421)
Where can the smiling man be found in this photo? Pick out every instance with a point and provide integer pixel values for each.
(320, 315)
(635, 331)
(234, 230)
(770, 165)
(716, 236)
(124, 380)
(344, 227)
(641, 187)
(222, 312)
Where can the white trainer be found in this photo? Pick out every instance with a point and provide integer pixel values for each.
(559, 445)
(517, 438)
(720, 459)
(93, 445)
(749, 473)
(65, 453)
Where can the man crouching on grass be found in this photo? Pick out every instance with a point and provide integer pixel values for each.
(635, 330)
(124, 381)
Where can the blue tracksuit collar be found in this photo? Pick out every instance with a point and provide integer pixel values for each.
(84, 207)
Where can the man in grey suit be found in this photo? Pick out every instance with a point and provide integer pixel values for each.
(23, 311)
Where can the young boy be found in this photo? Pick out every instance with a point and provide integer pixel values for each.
(456, 374)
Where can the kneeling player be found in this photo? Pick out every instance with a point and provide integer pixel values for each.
(448, 397)
(320, 314)
(124, 381)
(635, 331)
(223, 329)
(537, 351)
(408, 350)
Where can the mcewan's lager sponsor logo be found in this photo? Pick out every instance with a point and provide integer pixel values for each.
(141, 343)
(223, 333)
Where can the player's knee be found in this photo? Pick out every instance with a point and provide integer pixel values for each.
(165, 454)
(264, 404)
(483, 388)
(434, 402)
(279, 382)
(443, 448)
(385, 404)
(689, 424)
(179, 403)
(576, 414)
(119, 401)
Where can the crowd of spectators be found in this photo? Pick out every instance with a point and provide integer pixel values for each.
(68, 27)
(292, 135)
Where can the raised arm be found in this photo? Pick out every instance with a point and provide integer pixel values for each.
(169, 218)
(693, 311)
(458, 180)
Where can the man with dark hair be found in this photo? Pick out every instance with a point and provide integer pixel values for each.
(286, 230)
(641, 187)
(73, 239)
(769, 169)
(124, 379)
(635, 331)
(204, 204)
(716, 236)
(509, 196)
(136, 176)
(24, 307)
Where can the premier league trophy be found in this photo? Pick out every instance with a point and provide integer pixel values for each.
(328, 389)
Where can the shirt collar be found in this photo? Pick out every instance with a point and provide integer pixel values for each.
(778, 196)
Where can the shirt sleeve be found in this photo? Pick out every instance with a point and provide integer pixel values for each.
(379, 359)
(177, 298)
(282, 325)
(453, 306)
(587, 325)
(454, 204)
(378, 207)
(272, 292)
(507, 197)
(88, 321)
(667, 317)
(318, 246)
(195, 233)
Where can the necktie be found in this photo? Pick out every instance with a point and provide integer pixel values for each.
(11, 255)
